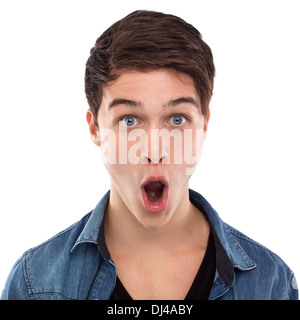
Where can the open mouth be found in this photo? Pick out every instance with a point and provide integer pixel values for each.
(155, 194)
(154, 190)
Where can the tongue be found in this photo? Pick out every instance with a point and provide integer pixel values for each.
(154, 190)
(153, 195)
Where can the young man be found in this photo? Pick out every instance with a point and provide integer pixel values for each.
(149, 80)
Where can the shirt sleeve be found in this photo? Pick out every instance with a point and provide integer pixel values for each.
(15, 286)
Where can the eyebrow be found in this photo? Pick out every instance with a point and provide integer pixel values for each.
(171, 103)
(176, 102)
(130, 103)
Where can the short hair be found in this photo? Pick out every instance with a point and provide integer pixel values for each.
(146, 41)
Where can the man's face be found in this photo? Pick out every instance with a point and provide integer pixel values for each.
(151, 132)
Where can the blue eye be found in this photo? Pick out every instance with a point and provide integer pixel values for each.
(129, 121)
(177, 120)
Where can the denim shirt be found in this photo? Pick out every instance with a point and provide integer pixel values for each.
(70, 265)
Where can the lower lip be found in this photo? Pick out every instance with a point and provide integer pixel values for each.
(156, 206)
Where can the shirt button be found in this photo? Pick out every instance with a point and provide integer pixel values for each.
(294, 283)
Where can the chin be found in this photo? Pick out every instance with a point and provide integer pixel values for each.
(154, 221)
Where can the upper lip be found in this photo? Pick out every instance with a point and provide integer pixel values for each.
(155, 178)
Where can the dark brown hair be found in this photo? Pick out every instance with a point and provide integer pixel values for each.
(146, 41)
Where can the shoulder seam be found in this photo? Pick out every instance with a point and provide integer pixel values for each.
(244, 237)
(26, 275)
(24, 265)
(57, 235)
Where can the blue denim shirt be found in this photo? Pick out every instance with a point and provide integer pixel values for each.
(70, 265)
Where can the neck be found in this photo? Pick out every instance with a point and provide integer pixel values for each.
(187, 227)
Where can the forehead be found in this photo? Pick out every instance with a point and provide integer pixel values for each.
(153, 86)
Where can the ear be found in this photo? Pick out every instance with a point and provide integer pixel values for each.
(93, 128)
(206, 120)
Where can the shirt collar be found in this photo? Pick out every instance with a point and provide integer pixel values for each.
(90, 231)
(230, 254)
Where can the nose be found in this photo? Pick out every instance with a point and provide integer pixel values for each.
(156, 149)
(154, 159)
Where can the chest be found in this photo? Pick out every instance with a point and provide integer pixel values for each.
(162, 277)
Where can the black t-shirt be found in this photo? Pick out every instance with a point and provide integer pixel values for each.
(201, 285)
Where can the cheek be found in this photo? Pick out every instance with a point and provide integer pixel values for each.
(121, 157)
(187, 147)
(193, 146)
(123, 177)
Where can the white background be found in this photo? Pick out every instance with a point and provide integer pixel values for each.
(51, 174)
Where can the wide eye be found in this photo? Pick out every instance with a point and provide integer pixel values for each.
(129, 121)
(177, 120)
